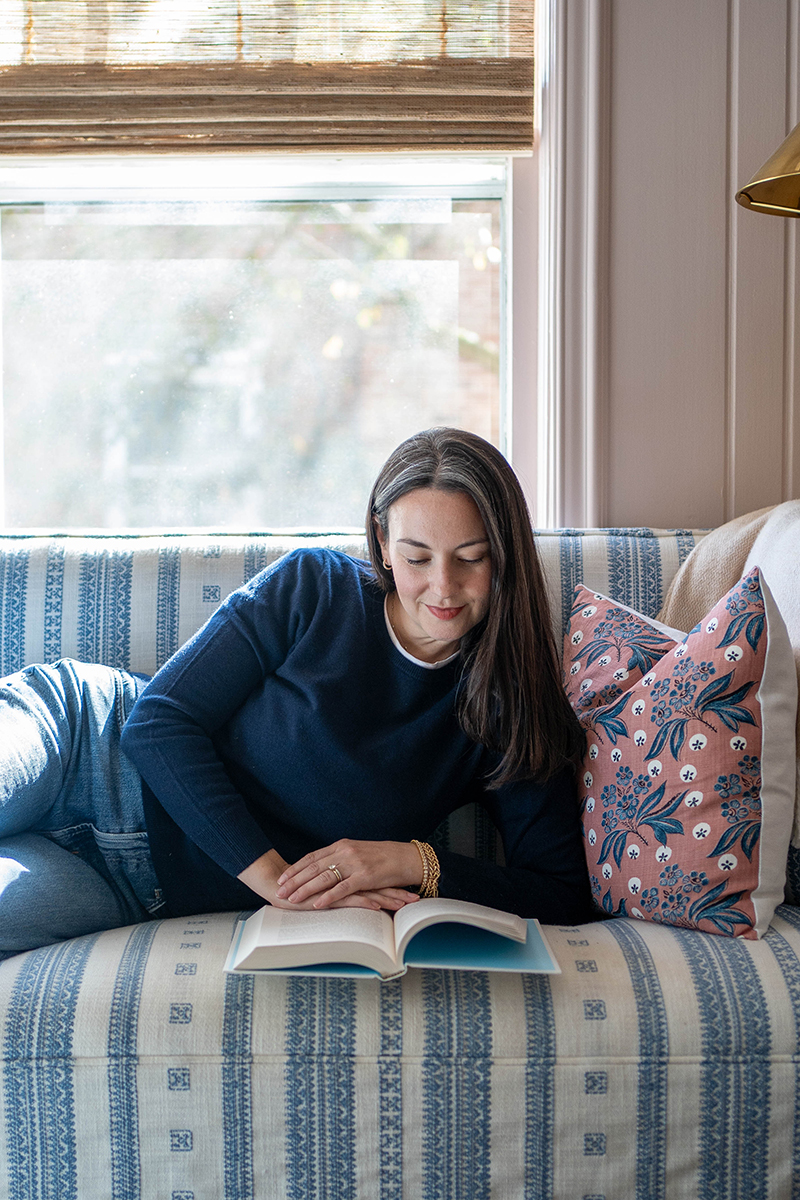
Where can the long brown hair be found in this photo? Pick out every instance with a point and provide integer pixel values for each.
(511, 698)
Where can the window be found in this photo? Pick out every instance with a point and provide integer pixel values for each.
(239, 343)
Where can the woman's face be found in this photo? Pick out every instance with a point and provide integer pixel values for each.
(439, 554)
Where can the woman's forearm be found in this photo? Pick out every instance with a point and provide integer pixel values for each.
(263, 874)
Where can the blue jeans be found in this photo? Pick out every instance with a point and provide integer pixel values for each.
(74, 854)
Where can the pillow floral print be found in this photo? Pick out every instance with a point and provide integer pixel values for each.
(687, 786)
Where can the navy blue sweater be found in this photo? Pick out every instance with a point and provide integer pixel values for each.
(291, 719)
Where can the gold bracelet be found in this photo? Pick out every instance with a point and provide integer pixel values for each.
(429, 888)
(435, 872)
(425, 869)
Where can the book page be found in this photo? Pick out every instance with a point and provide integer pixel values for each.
(414, 917)
(331, 925)
(277, 937)
(282, 927)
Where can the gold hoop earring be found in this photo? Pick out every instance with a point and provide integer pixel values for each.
(386, 566)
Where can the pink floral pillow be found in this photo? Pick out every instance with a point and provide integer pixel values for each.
(607, 648)
(687, 786)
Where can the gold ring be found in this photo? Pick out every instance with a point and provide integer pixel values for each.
(333, 867)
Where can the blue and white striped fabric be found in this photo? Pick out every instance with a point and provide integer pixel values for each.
(132, 601)
(128, 602)
(661, 1064)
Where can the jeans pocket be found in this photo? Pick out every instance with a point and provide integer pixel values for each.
(127, 858)
(123, 859)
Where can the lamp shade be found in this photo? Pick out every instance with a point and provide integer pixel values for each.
(775, 189)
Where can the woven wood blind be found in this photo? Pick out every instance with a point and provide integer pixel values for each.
(261, 75)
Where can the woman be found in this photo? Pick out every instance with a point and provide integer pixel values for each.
(323, 722)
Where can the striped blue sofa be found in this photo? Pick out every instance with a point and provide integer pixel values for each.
(659, 1064)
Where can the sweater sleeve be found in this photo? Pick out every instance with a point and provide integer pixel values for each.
(545, 875)
(169, 735)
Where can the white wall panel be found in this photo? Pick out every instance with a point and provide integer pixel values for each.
(684, 407)
(757, 266)
(667, 287)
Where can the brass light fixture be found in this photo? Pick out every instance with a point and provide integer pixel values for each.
(775, 189)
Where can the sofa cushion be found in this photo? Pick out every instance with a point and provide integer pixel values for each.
(130, 600)
(656, 1064)
(687, 783)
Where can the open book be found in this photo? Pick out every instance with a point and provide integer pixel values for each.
(360, 941)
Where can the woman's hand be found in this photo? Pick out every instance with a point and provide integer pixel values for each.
(265, 874)
(378, 872)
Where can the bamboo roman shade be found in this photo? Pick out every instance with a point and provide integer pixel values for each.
(261, 75)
